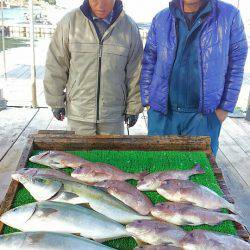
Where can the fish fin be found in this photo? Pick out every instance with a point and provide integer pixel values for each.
(218, 210)
(68, 196)
(139, 243)
(231, 207)
(98, 240)
(199, 169)
(186, 190)
(141, 175)
(187, 222)
(86, 205)
(237, 218)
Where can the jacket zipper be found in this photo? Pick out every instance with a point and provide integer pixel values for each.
(201, 108)
(99, 82)
(175, 51)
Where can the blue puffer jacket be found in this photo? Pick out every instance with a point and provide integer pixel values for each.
(222, 55)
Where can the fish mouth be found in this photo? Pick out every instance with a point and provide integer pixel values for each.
(20, 178)
(16, 176)
(42, 155)
(37, 158)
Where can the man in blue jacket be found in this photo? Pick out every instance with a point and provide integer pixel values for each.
(193, 68)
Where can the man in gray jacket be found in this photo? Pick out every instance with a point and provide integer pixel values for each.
(93, 69)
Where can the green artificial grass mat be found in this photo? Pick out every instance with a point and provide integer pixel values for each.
(138, 161)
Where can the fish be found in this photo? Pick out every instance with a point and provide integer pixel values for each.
(152, 181)
(187, 214)
(128, 194)
(201, 239)
(97, 172)
(198, 195)
(155, 232)
(46, 172)
(48, 241)
(59, 217)
(58, 159)
(158, 247)
(59, 190)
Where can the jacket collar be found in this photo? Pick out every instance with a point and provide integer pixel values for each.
(178, 4)
(117, 10)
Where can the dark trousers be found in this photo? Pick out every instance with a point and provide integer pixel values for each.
(191, 124)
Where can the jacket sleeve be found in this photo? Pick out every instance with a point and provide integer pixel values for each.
(148, 64)
(57, 67)
(133, 71)
(237, 58)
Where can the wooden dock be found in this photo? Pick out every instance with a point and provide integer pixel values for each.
(233, 158)
(17, 123)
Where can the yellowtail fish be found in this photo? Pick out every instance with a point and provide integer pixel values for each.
(47, 241)
(60, 190)
(63, 218)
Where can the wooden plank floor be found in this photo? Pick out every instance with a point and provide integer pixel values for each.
(233, 156)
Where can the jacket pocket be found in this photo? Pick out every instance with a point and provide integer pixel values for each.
(213, 120)
(83, 48)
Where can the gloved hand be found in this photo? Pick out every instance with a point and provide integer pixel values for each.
(59, 114)
(131, 120)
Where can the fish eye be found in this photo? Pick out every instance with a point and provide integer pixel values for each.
(40, 180)
(55, 162)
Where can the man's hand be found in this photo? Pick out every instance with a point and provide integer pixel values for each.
(59, 114)
(221, 114)
(131, 120)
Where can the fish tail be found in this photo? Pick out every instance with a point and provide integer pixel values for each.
(232, 207)
(198, 169)
(237, 218)
(141, 175)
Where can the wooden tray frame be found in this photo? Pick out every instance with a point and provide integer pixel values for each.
(62, 140)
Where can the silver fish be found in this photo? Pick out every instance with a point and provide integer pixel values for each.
(59, 190)
(47, 241)
(156, 232)
(187, 214)
(63, 218)
(200, 240)
(198, 195)
(128, 194)
(44, 172)
(58, 159)
(152, 181)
